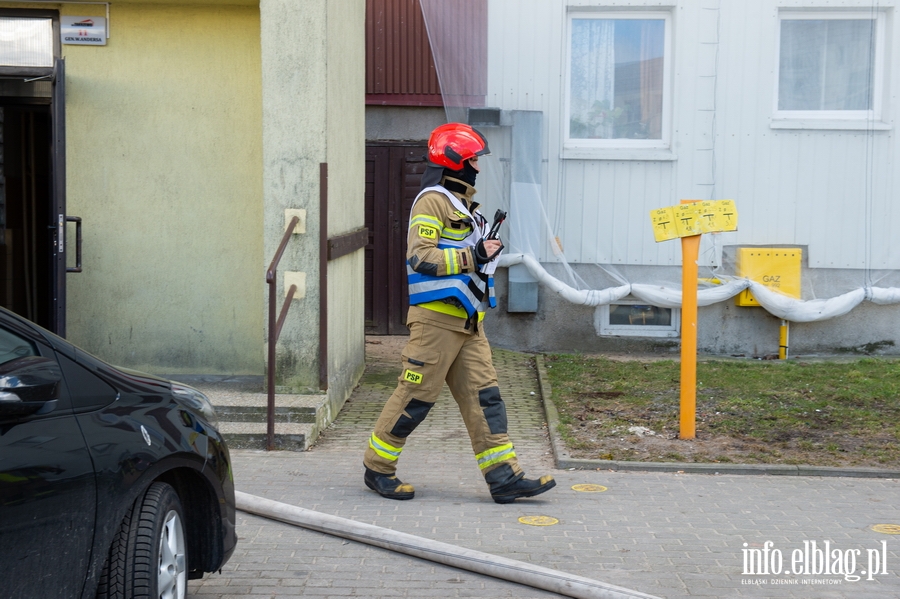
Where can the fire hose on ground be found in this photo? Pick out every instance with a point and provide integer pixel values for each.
(436, 551)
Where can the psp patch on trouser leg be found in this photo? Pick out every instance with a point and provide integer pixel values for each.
(415, 378)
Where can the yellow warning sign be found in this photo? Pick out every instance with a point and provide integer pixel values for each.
(706, 213)
(538, 520)
(725, 218)
(687, 219)
(888, 529)
(693, 218)
(663, 220)
(589, 488)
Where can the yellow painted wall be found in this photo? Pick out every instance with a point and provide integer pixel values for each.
(165, 167)
(188, 137)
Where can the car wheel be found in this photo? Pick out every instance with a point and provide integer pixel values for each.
(148, 557)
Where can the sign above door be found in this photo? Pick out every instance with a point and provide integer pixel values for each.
(84, 31)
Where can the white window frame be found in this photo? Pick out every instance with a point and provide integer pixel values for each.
(835, 119)
(620, 149)
(637, 330)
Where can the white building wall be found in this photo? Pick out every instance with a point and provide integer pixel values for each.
(829, 190)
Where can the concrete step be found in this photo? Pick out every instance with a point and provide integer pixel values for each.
(254, 407)
(253, 435)
(242, 407)
(298, 420)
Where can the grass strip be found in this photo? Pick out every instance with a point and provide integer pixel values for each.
(825, 413)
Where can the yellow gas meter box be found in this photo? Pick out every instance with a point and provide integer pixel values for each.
(776, 268)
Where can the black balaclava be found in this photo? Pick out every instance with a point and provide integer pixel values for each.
(467, 174)
(434, 174)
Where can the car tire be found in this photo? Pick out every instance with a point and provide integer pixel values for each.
(148, 557)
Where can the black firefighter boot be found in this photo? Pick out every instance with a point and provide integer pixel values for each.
(388, 485)
(507, 487)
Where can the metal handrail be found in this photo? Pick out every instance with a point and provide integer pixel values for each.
(275, 330)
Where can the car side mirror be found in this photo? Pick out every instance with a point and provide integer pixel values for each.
(29, 386)
(11, 406)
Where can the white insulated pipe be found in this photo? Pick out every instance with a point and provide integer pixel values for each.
(777, 304)
(436, 551)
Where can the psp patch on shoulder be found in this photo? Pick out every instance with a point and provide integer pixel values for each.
(413, 377)
(427, 232)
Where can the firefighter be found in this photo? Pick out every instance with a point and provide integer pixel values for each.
(449, 272)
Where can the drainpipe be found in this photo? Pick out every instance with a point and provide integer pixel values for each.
(323, 276)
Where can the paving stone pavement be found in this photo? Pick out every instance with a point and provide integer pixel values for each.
(665, 534)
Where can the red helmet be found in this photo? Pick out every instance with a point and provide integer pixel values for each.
(452, 144)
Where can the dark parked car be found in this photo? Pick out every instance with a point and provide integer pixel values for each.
(113, 483)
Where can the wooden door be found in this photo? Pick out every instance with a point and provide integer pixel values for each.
(393, 175)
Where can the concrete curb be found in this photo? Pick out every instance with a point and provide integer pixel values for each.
(565, 462)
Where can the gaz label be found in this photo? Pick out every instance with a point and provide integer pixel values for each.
(413, 377)
(663, 220)
(687, 219)
(725, 216)
(693, 217)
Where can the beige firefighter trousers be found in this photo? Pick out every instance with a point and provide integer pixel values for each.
(432, 356)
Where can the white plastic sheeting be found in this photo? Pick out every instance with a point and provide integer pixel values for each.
(513, 178)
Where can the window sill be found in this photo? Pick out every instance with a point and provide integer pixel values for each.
(638, 331)
(644, 154)
(829, 124)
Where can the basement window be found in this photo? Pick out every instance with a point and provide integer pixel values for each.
(634, 319)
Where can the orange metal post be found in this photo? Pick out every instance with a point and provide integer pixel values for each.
(690, 253)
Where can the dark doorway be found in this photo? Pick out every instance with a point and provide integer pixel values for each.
(33, 169)
(27, 223)
(393, 176)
